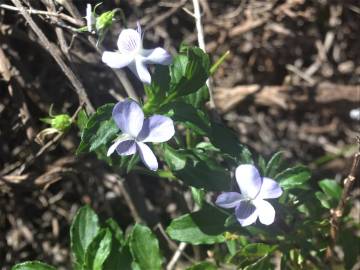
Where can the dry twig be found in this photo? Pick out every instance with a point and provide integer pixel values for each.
(338, 212)
(55, 53)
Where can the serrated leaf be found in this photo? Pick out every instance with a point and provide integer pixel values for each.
(32, 265)
(83, 230)
(98, 250)
(100, 130)
(145, 248)
(105, 133)
(295, 177)
(205, 226)
(189, 71)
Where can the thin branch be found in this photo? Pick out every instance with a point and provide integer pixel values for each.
(27, 163)
(164, 16)
(176, 256)
(201, 41)
(338, 212)
(56, 54)
(46, 13)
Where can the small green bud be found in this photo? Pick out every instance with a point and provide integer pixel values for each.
(61, 122)
(105, 20)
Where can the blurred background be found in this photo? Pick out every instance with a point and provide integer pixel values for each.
(291, 83)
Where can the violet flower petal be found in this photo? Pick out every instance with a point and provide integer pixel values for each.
(129, 117)
(270, 189)
(116, 60)
(126, 148)
(246, 213)
(157, 129)
(147, 156)
(229, 199)
(113, 147)
(157, 56)
(129, 41)
(139, 69)
(265, 211)
(249, 180)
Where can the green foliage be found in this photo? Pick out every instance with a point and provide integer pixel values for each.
(295, 177)
(145, 248)
(98, 250)
(330, 195)
(33, 265)
(203, 266)
(252, 256)
(82, 232)
(205, 226)
(197, 171)
(100, 129)
(203, 156)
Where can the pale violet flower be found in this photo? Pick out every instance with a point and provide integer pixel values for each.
(132, 55)
(250, 204)
(90, 18)
(137, 130)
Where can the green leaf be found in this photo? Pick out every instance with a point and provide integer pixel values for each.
(273, 165)
(227, 141)
(157, 90)
(197, 169)
(295, 177)
(331, 188)
(199, 98)
(82, 119)
(32, 265)
(205, 226)
(324, 199)
(203, 266)
(189, 71)
(175, 159)
(83, 230)
(252, 254)
(191, 117)
(99, 131)
(98, 250)
(119, 258)
(145, 248)
(115, 229)
(198, 195)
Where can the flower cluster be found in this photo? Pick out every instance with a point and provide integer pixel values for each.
(138, 130)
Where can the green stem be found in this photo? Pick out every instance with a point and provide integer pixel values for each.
(215, 66)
